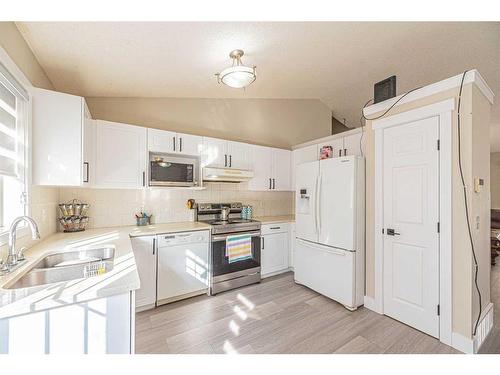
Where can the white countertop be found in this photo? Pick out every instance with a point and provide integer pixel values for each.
(121, 279)
(276, 219)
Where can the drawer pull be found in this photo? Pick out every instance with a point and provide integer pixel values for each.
(275, 228)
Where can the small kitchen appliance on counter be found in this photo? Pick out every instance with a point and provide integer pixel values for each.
(225, 275)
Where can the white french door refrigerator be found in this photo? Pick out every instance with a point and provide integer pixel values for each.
(329, 214)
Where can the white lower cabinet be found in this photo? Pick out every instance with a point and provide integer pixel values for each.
(274, 248)
(145, 259)
(182, 265)
(100, 326)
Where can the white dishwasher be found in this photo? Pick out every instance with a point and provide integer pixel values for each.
(182, 265)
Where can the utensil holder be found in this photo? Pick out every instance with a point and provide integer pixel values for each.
(143, 221)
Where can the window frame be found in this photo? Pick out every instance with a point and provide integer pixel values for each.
(18, 75)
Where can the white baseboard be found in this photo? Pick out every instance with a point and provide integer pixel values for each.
(462, 343)
(370, 304)
(472, 345)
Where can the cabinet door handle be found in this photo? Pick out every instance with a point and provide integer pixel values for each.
(225, 160)
(86, 163)
(274, 184)
(143, 178)
(275, 228)
(262, 247)
(180, 144)
(270, 183)
(173, 141)
(154, 245)
(340, 152)
(345, 151)
(230, 160)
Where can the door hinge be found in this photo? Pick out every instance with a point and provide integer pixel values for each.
(438, 145)
(438, 227)
(438, 310)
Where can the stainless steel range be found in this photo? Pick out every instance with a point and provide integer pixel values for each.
(224, 275)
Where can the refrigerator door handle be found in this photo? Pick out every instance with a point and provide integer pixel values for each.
(320, 181)
(322, 247)
(316, 204)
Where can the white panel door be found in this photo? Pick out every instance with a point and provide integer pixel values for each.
(262, 168)
(182, 269)
(120, 155)
(274, 253)
(145, 258)
(306, 221)
(411, 255)
(214, 152)
(161, 140)
(337, 197)
(188, 144)
(353, 144)
(238, 155)
(281, 170)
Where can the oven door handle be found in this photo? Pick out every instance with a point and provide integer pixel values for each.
(224, 237)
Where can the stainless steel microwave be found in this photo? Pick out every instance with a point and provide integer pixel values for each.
(173, 170)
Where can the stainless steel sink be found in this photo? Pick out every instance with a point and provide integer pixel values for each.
(66, 266)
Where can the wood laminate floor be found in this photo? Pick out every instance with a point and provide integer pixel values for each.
(275, 316)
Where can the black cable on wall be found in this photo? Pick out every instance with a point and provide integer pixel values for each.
(476, 266)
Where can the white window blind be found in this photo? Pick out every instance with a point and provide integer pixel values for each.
(13, 99)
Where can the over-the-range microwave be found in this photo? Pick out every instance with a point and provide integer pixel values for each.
(173, 170)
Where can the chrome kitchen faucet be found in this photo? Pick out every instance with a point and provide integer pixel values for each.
(14, 259)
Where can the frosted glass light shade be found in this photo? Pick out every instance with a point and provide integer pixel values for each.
(237, 76)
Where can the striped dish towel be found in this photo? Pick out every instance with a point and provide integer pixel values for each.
(238, 247)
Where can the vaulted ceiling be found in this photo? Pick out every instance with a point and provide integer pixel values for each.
(336, 62)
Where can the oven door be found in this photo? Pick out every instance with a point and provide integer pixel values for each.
(220, 263)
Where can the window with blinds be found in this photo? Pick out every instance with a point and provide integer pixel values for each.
(13, 137)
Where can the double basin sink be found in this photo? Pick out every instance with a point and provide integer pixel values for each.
(67, 266)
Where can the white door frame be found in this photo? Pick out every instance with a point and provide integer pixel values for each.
(444, 111)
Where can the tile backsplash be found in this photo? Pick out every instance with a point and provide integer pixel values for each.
(116, 207)
(43, 207)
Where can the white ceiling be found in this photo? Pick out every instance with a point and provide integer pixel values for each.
(335, 62)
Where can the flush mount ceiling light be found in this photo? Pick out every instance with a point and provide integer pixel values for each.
(238, 75)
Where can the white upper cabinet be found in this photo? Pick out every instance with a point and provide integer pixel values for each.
(171, 142)
(225, 154)
(281, 172)
(271, 167)
(188, 144)
(305, 154)
(58, 137)
(262, 168)
(238, 155)
(161, 141)
(353, 144)
(120, 154)
(88, 151)
(214, 152)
